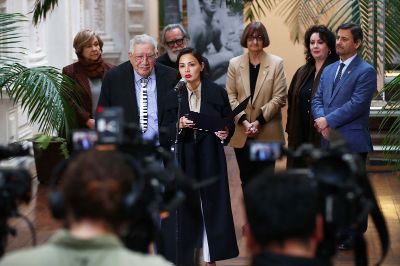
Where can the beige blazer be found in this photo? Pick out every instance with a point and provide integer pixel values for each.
(269, 96)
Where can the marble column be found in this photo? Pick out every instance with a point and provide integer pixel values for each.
(110, 54)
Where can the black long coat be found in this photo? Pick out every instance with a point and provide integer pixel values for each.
(293, 125)
(202, 157)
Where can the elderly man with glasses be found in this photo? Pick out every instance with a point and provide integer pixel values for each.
(141, 86)
(174, 38)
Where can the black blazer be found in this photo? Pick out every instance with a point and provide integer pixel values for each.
(214, 102)
(118, 89)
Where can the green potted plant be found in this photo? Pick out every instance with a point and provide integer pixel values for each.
(391, 123)
(46, 95)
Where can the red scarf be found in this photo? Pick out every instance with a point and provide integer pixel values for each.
(93, 69)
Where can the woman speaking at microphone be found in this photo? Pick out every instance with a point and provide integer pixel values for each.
(205, 219)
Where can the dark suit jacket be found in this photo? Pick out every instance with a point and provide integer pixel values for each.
(84, 111)
(118, 89)
(347, 108)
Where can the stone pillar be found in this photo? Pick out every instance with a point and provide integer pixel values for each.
(135, 22)
(110, 55)
(3, 7)
(142, 18)
(36, 44)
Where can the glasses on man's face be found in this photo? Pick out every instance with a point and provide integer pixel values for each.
(141, 58)
(177, 42)
(258, 38)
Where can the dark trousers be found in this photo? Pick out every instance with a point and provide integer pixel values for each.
(250, 169)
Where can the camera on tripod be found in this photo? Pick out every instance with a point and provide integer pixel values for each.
(15, 187)
(346, 195)
(163, 184)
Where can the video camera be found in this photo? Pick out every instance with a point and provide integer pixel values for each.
(15, 187)
(164, 184)
(346, 195)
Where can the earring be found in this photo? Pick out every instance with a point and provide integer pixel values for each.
(329, 51)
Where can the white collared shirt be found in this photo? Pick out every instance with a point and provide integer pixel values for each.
(152, 119)
(346, 64)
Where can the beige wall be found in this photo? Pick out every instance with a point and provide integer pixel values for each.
(282, 46)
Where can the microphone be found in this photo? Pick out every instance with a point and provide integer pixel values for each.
(181, 84)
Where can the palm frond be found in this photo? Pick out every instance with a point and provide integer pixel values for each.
(10, 36)
(391, 121)
(41, 9)
(299, 15)
(392, 30)
(43, 92)
(379, 20)
(255, 9)
(46, 95)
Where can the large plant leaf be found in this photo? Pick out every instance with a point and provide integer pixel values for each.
(299, 15)
(44, 93)
(392, 30)
(379, 20)
(10, 36)
(256, 8)
(391, 141)
(41, 9)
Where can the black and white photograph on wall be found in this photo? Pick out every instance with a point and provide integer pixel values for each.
(215, 31)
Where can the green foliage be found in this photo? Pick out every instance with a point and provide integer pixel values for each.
(43, 92)
(41, 9)
(43, 141)
(235, 6)
(10, 36)
(256, 8)
(392, 139)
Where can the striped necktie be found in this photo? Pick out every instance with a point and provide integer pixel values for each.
(143, 104)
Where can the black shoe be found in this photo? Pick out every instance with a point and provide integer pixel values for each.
(346, 244)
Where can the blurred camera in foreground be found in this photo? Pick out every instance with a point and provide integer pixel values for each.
(312, 205)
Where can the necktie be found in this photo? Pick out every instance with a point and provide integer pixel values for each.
(338, 76)
(143, 104)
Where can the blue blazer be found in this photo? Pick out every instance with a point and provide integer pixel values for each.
(347, 108)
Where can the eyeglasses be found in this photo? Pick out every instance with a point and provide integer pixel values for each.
(258, 38)
(177, 42)
(140, 58)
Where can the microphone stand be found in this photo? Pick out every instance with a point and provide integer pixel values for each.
(176, 159)
(176, 153)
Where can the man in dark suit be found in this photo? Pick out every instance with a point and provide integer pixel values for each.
(343, 98)
(174, 38)
(124, 86)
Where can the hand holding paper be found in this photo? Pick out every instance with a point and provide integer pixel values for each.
(184, 122)
(214, 123)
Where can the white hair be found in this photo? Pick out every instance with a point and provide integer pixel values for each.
(143, 39)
